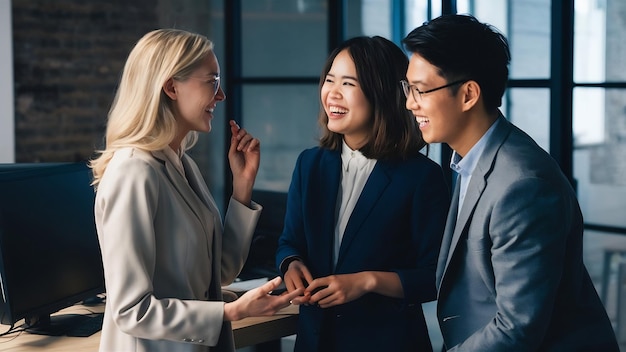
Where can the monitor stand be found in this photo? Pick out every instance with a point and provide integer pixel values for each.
(55, 325)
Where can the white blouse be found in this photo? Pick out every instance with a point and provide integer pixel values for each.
(355, 170)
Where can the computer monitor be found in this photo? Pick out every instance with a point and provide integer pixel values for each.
(49, 253)
(261, 261)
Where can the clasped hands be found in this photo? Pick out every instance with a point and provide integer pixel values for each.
(325, 291)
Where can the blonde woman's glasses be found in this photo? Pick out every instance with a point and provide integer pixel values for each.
(214, 81)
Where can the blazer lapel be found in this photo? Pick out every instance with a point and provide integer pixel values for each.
(374, 187)
(325, 204)
(476, 186)
(194, 177)
(193, 200)
(442, 261)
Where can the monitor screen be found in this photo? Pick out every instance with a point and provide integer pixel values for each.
(49, 253)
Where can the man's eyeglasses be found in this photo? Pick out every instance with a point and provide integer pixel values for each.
(411, 89)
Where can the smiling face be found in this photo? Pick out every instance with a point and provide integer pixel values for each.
(440, 114)
(195, 98)
(348, 110)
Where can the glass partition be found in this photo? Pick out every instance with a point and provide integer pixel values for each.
(283, 38)
(529, 109)
(284, 118)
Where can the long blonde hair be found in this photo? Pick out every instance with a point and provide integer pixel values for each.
(141, 114)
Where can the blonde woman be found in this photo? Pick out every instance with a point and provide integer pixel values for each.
(165, 248)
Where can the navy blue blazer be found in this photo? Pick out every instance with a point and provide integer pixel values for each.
(397, 225)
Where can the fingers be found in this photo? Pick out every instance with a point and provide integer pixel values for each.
(293, 296)
(241, 140)
(328, 302)
(317, 294)
(307, 274)
(244, 142)
(283, 300)
(275, 282)
(318, 290)
(302, 271)
(297, 276)
(317, 285)
(299, 300)
(271, 285)
(292, 282)
(270, 304)
(234, 127)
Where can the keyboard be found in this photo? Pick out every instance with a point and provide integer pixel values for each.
(87, 327)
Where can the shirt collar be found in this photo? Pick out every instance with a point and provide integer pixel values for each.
(356, 156)
(466, 165)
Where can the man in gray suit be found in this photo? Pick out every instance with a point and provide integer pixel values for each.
(510, 275)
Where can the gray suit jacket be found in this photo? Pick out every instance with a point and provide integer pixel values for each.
(166, 255)
(510, 273)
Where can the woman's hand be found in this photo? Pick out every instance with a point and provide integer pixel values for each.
(297, 277)
(339, 289)
(244, 157)
(259, 302)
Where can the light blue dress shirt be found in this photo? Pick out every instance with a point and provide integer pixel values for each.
(464, 166)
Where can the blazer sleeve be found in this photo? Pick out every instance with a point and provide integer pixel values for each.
(239, 225)
(526, 244)
(292, 242)
(430, 205)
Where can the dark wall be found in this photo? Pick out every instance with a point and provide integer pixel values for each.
(68, 56)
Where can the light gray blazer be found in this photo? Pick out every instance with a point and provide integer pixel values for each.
(166, 255)
(510, 273)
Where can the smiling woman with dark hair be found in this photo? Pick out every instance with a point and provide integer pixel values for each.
(365, 211)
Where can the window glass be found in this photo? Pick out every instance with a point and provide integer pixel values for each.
(599, 49)
(529, 109)
(374, 17)
(604, 255)
(209, 152)
(368, 17)
(284, 118)
(600, 154)
(589, 41)
(589, 102)
(434, 153)
(601, 190)
(283, 38)
(526, 24)
(419, 11)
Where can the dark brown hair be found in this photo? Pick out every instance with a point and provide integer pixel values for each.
(380, 65)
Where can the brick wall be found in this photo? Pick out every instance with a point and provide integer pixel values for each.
(67, 59)
(68, 55)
